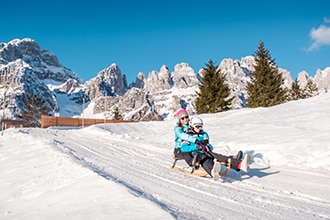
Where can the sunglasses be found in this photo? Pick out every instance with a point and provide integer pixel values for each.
(185, 117)
(199, 127)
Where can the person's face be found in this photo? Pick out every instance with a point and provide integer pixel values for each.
(184, 120)
(198, 128)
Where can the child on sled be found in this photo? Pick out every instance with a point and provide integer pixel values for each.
(192, 145)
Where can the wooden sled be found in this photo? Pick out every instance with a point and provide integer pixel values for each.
(200, 171)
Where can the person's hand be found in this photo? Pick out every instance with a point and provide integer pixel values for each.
(200, 147)
(205, 148)
(198, 142)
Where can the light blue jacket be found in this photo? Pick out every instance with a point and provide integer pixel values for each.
(185, 139)
(181, 135)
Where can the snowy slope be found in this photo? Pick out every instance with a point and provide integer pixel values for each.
(46, 173)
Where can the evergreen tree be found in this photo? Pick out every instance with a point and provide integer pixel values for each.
(33, 109)
(213, 95)
(116, 114)
(296, 92)
(265, 88)
(311, 89)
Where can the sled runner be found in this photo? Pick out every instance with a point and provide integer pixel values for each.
(188, 170)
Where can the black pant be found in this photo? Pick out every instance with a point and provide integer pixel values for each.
(224, 159)
(206, 161)
(187, 156)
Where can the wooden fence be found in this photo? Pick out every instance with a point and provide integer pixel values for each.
(14, 123)
(47, 121)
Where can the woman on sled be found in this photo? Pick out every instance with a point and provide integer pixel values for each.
(192, 145)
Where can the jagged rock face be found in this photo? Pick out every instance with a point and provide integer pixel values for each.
(139, 82)
(37, 59)
(158, 81)
(237, 75)
(19, 49)
(302, 79)
(108, 82)
(112, 75)
(152, 104)
(178, 88)
(21, 82)
(25, 67)
(133, 99)
(69, 86)
(322, 79)
(184, 76)
(287, 78)
(134, 105)
(32, 87)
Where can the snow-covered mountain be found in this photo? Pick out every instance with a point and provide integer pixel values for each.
(27, 70)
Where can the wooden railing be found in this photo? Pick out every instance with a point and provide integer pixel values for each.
(47, 121)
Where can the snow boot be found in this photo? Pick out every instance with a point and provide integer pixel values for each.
(215, 170)
(245, 164)
(238, 156)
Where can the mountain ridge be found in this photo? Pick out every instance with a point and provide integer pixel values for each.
(29, 70)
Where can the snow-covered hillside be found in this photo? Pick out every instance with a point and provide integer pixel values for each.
(122, 171)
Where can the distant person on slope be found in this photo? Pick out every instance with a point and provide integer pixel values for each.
(192, 145)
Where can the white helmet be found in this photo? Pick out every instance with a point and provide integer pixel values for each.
(195, 122)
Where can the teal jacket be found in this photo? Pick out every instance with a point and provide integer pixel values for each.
(185, 138)
(181, 135)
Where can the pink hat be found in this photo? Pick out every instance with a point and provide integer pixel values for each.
(181, 113)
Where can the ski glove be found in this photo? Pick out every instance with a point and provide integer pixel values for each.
(199, 147)
(199, 143)
(203, 148)
(206, 148)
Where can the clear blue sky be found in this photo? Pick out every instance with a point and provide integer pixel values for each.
(141, 35)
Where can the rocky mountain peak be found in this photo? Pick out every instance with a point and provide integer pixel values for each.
(44, 63)
(157, 82)
(302, 79)
(322, 79)
(139, 82)
(19, 49)
(26, 68)
(184, 76)
(108, 82)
